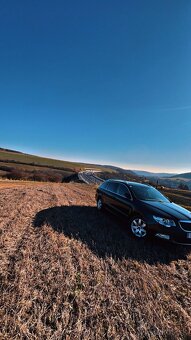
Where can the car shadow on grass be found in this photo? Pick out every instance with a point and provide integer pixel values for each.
(108, 235)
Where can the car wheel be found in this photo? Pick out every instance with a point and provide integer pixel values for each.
(138, 227)
(99, 204)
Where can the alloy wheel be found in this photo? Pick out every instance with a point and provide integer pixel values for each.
(138, 227)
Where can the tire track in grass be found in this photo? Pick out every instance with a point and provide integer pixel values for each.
(7, 201)
(21, 219)
(16, 244)
(32, 269)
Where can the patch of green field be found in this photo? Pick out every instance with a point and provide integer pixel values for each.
(7, 156)
(28, 167)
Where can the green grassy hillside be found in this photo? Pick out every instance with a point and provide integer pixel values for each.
(11, 156)
(17, 165)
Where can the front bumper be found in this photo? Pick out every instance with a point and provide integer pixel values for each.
(172, 234)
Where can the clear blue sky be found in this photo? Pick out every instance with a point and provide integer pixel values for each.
(101, 81)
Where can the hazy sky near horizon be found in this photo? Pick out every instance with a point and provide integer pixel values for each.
(99, 81)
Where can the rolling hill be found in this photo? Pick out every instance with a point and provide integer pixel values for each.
(11, 156)
(152, 174)
(18, 165)
(186, 175)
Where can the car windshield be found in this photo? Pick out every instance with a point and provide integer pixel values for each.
(146, 193)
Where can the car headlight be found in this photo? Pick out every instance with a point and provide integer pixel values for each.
(164, 221)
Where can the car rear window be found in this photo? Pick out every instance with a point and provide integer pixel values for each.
(104, 185)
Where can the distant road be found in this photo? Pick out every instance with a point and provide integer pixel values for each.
(89, 177)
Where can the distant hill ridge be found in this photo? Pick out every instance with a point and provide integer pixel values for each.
(186, 175)
(153, 174)
(116, 168)
(17, 157)
(9, 150)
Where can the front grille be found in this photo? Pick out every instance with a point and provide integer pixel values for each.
(185, 225)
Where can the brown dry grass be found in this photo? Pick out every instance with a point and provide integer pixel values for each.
(68, 272)
(17, 183)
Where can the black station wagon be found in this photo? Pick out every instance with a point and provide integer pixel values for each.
(146, 209)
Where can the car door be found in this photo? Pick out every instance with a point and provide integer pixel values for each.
(110, 195)
(123, 200)
(102, 193)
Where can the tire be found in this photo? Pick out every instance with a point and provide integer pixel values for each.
(99, 204)
(138, 227)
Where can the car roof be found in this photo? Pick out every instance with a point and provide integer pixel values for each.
(129, 183)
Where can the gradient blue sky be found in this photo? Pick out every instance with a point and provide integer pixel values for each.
(100, 81)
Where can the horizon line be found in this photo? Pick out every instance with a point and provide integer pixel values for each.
(132, 167)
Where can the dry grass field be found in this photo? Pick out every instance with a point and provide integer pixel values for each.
(70, 272)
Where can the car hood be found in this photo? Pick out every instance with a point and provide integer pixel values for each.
(168, 208)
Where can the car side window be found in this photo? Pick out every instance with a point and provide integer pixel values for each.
(104, 185)
(112, 186)
(123, 191)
